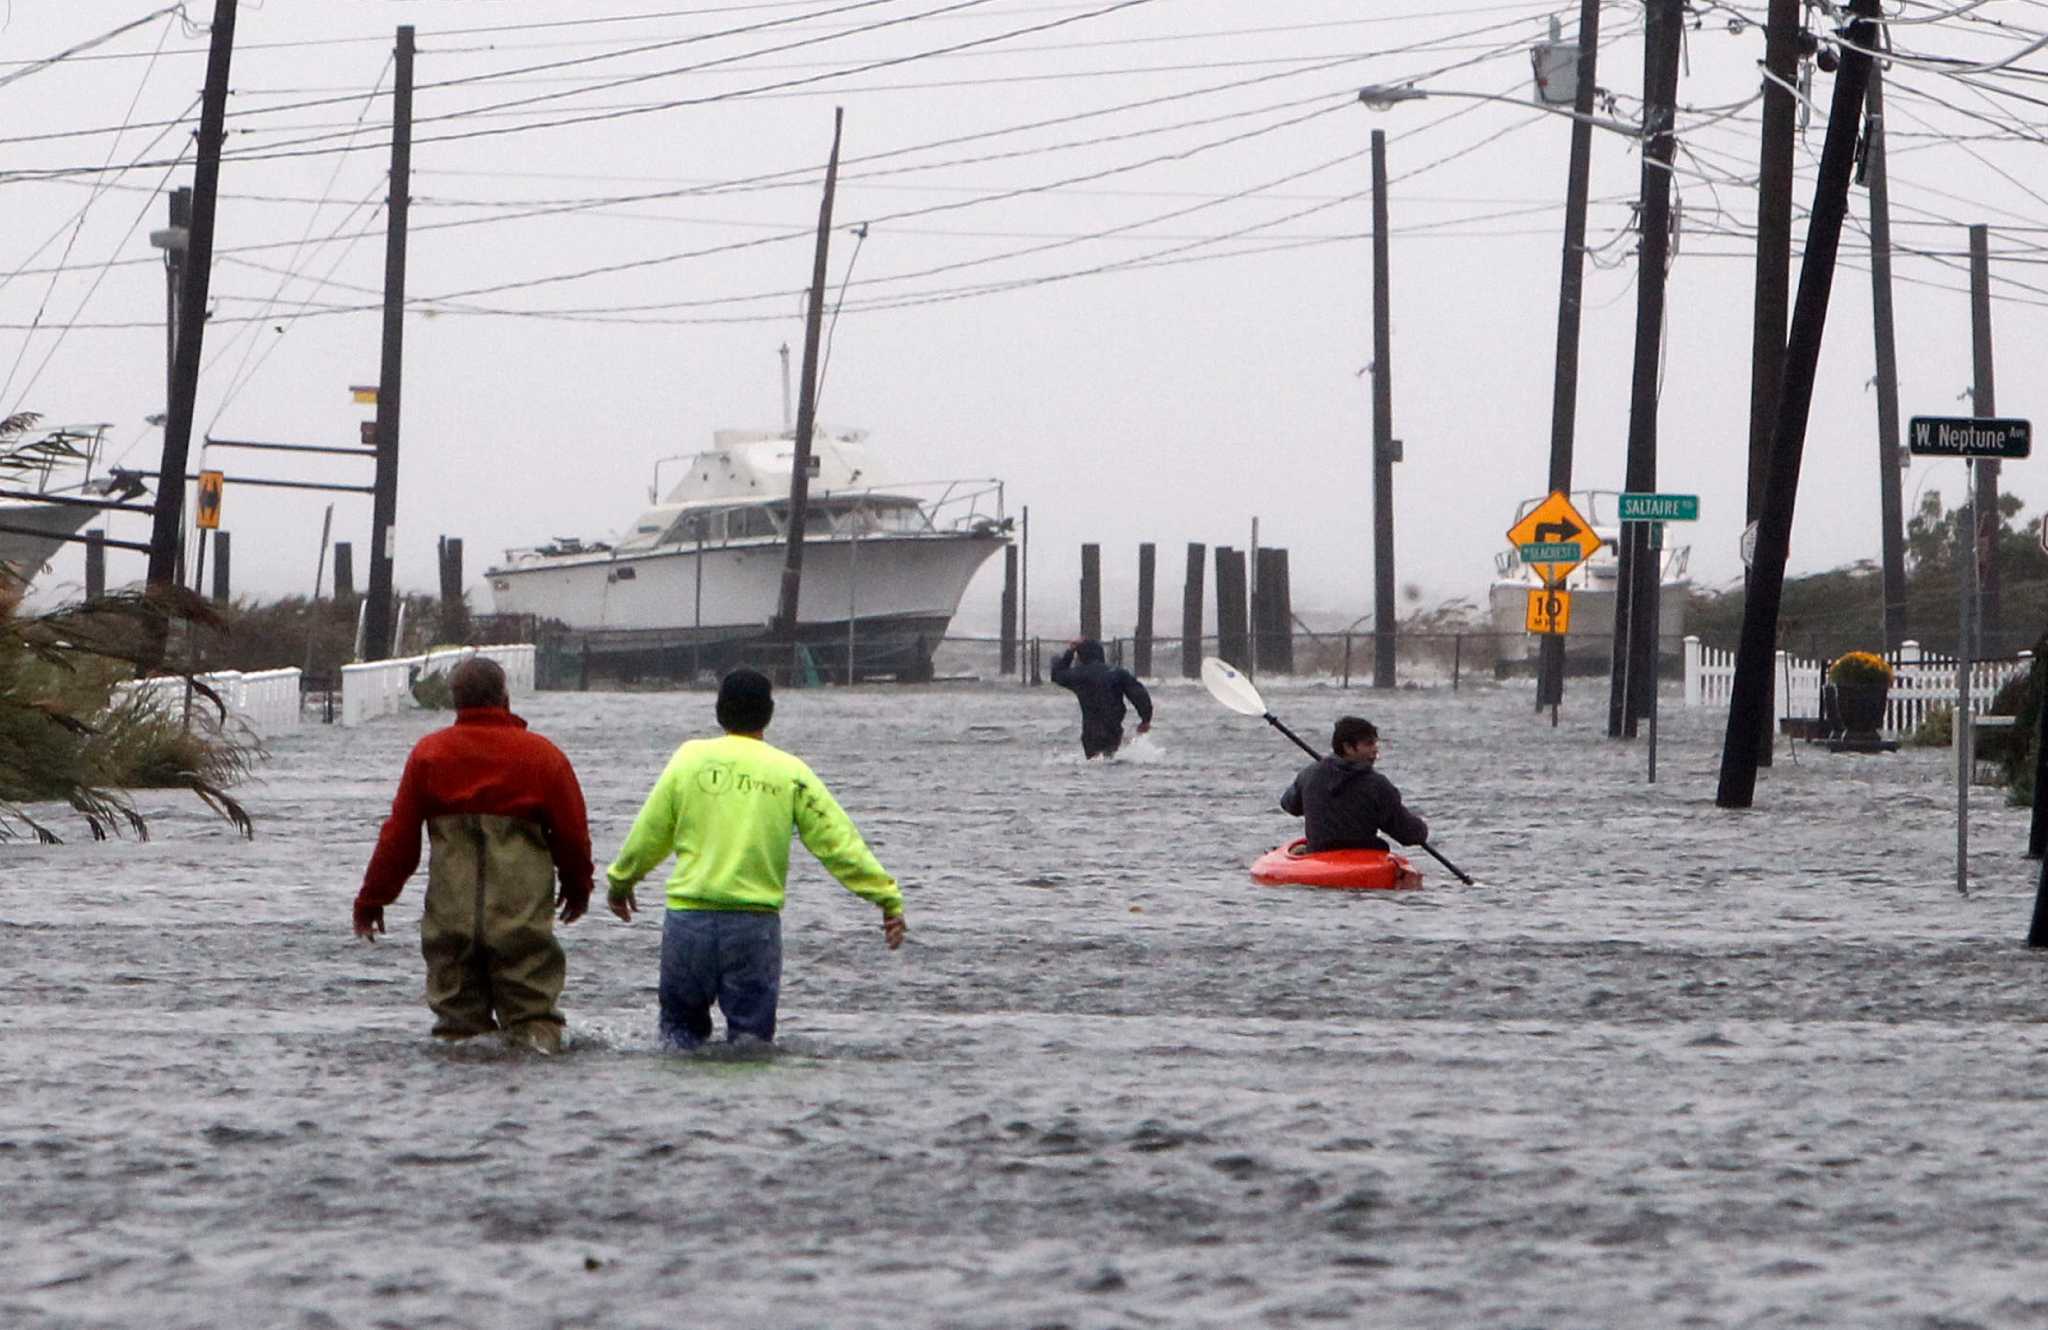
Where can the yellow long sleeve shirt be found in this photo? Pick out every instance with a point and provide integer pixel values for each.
(725, 809)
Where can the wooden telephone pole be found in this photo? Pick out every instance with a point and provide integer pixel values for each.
(1749, 701)
(377, 617)
(784, 628)
(168, 518)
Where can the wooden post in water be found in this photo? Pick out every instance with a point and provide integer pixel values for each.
(1276, 633)
(220, 567)
(1191, 615)
(95, 563)
(1091, 591)
(1141, 638)
(1232, 639)
(344, 572)
(1009, 611)
(454, 615)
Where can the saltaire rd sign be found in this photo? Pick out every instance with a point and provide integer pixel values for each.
(1968, 436)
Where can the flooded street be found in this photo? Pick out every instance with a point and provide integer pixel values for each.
(1663, 1065)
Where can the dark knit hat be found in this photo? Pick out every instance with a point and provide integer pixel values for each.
(746, 701)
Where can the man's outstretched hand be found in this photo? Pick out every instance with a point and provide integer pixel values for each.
(1144, 727)
(369, 923)
(623, 906)
(571, 910)
(893, 929)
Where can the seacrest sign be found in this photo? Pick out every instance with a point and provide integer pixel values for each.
(1660, 507)
(1969, 436)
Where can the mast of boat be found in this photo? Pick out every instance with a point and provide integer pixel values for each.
(784, 627)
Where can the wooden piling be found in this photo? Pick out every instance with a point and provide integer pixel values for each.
(344, 573)
(221, 582)
(1276, 606)
(1232, 639)
(95, 563)
(1141, 638)
(1091, 591)
(454, 613)
(1191, 614)
(1009, 611)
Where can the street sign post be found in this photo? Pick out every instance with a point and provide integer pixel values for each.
(1969, 436)
(1554, 523)
(1655, 510)
(1550, 612)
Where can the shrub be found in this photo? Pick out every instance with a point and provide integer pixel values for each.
(1936, 729)
(1859, 668)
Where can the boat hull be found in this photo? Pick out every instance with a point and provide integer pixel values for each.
(673, 611)
(32, 533)
(1590, 641)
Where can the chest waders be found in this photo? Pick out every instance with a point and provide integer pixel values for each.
(487, 930)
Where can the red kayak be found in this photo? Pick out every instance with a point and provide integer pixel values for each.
(1350, 870)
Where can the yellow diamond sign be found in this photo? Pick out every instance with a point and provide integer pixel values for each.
(1555, 522)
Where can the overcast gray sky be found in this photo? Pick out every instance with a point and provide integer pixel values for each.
(1118, 256)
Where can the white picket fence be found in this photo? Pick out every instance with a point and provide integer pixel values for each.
(1921, 681)
(267, 701)
(384, 687)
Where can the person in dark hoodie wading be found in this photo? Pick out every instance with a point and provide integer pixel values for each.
(1346, 804)
(505, 815)
(1102, 690)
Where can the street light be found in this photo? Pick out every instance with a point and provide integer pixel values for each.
(1381, 96)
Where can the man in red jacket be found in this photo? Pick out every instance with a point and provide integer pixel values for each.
(505, 815)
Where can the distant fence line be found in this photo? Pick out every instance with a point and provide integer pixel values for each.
(1921, 682)
(273, 701)
(378, 688)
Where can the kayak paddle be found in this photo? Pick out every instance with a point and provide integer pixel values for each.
(1227, 684)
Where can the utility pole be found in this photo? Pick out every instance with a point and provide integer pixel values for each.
(167, 521)
(1749, 701)
(1382, 431)
(1989, 623)
(1634, 671)
(377, 620)
(1773, 281)
(807, 408)
(1891, 514)
(1564, 395)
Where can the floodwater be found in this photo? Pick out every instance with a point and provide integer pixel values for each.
(1663, 1066)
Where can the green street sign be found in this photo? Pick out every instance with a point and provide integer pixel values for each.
(1660, 507)
(1551, 551)
(1969, 436)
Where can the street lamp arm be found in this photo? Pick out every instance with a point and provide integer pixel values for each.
(1382, 96)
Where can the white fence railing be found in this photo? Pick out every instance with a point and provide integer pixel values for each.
(384, 687)
(267, 701)
(1921, 682)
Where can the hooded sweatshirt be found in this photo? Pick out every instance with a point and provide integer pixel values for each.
(1102, 689)
(1346, 805)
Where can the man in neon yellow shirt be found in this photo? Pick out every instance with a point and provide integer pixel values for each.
(725, 809)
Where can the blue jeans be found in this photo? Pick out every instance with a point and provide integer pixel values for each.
(731, 956)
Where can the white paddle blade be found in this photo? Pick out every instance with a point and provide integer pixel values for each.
(1229, 686)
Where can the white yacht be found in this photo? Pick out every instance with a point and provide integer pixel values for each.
(697, 577)
(36, 490)
(1590, 635)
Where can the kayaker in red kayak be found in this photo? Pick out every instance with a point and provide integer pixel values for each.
(1346, 804)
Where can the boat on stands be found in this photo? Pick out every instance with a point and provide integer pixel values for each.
(1589, 637)
(696, 579)
(49, 493)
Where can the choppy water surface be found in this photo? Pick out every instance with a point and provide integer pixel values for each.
(1665, 1065)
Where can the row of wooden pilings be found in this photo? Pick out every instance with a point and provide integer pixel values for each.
(454, 611)
(1254, 614)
